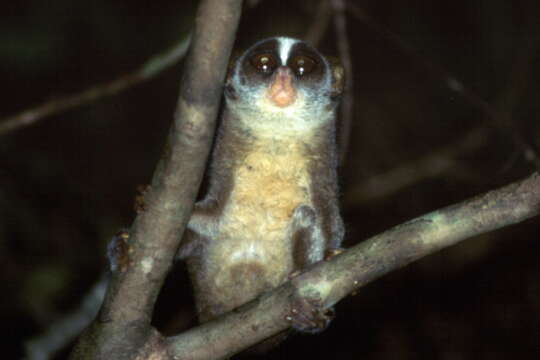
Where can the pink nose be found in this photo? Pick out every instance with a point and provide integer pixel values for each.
(282, 91)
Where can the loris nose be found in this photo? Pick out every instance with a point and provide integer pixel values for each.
(284, 76)
(282, 91)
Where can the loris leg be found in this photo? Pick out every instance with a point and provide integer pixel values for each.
(307, 314)
(307, 239)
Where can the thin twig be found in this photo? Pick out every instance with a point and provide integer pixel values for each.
(66, 329)
(519, 80)
(330, 281)
(433, 164)
(442, 160)
(319, 24)
(145, 72)
(340, 22)
(452, 83)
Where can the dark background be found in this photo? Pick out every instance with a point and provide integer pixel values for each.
(67, 184)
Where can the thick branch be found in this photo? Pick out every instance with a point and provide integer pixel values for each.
(156, 232)
(332, 280)
(123, 326)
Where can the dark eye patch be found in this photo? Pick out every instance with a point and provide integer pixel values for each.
(264, 63)
(260, 61)
(302, 64)
(306, 63)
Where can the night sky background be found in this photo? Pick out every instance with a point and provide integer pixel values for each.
(67, 184)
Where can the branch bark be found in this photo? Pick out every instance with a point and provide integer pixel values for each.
(330, 281)
(122, 330)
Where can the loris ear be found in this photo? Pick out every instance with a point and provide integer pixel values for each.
(232, 62)
(229, 89)
(338, 76)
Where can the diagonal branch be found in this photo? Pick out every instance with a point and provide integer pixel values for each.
(433, 164)
(330, 281)
(123, 326)
(146, 71)
(498, 119)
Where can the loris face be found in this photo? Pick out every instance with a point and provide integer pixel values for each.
(283, 82)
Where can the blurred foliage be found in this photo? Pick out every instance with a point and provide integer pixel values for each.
(67, 184)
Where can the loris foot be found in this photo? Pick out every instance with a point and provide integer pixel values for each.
(308, 315)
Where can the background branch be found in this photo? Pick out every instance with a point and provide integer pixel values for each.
(66, 329)
(319, 24)
(436, 163)
(346, 107)
(145, 72)
(498, 118)
(443, 160)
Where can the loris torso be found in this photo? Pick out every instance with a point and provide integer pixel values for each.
(252, 249)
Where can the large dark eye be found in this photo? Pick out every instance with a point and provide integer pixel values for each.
(302, 65)
(265, 63)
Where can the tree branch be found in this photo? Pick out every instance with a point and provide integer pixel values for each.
(66, 329)
(319, 23)
(330, 281)
(498, 120)
(437, 162)
(145, 72)
(347, 103)
(123, 329)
